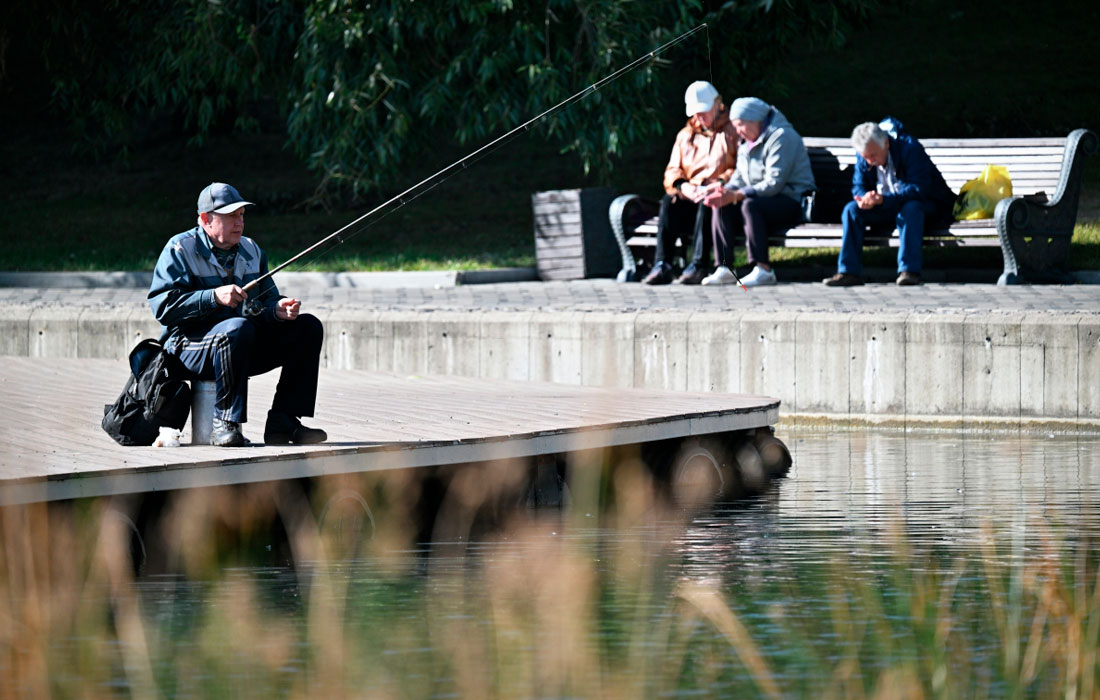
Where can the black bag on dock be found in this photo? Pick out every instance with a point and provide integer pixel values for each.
(155, 395)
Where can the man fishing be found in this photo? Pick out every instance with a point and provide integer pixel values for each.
(222, 332)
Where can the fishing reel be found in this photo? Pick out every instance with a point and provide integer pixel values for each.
(252, 307)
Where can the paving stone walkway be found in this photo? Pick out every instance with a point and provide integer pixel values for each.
(607, 295)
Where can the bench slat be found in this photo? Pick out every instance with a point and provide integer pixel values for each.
(1046, 153)
(979, 156)
(892, 243)
(847, 154)
(990, 144)
(957, 166)
(834, 241)
(984, 144)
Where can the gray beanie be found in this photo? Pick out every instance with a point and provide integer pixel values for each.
(749, 109)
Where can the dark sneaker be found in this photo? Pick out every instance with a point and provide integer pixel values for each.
(693, 274)
(843, 279)
(660, 274)
(908, 279)
(282, 429)
(226, 433)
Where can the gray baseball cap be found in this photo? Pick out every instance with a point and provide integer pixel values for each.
(221, 198)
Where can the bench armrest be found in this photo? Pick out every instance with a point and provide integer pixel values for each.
(1035, 236)
(626, 213)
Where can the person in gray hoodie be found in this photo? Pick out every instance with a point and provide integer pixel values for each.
(773, 173)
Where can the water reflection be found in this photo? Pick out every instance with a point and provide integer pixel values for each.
(886, 561)
(957, 540)
(868, 497)
(939, 484)
(884, 565)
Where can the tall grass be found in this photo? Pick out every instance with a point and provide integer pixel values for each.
(506, 601)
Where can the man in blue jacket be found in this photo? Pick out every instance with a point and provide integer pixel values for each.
(895, 183)
(224, 334)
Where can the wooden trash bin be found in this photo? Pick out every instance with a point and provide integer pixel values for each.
(573, 238)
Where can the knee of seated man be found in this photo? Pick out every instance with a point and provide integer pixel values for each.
(238, 327)
(305, 332)
(311, 327)
(911, 212)
(851, 211)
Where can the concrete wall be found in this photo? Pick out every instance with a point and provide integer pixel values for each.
(956, 368)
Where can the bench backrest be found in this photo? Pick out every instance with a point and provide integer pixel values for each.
(1034, 164)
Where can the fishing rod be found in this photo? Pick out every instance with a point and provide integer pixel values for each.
(422, 187)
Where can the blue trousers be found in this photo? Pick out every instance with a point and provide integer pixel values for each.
(908, 217)
(238, 348)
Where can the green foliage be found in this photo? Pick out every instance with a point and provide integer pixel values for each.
(119, 68)
(370, 90)
(377, 91)
(758, 37)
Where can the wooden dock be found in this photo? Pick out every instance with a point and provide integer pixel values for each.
(52, 446)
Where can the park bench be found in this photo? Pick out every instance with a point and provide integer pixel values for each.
(1033, 227)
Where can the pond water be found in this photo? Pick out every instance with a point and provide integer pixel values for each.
(884, 565)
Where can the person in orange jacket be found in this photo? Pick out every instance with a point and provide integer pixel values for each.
(705, 152)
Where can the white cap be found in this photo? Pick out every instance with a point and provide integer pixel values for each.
(700, 97)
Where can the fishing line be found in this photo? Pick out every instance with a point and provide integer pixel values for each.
(430, 182)
(710, 66)
(710, 57)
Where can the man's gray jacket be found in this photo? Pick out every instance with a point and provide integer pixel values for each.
(182, 292)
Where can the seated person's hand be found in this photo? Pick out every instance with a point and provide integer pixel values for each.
(869, 200)
(715, 197)
(720, 197)
(287, 309)
(229, 295)
(693, 192)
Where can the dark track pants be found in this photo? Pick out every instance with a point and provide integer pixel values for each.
(237, 348)
(678, 216)
(758, 217)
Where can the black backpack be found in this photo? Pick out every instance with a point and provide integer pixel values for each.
(155, 395)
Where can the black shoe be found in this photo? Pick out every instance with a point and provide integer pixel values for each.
(693, 274)
(226, 433)
(908, 279)
(843, 279)
(282, 429)
(660, 274)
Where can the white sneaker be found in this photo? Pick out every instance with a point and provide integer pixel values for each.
(759, 277)
(722, 275)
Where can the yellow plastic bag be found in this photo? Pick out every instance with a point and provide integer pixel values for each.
(978, 197)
